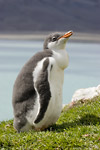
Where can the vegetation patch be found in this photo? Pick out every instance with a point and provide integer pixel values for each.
(77, 128)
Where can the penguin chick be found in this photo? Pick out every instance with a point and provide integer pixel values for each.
(37, 92)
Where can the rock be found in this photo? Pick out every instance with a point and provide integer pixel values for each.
(82, 96)
(86, 94)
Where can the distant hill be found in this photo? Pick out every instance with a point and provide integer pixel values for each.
(49, 15)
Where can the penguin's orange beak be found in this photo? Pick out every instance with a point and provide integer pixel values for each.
(67, 35)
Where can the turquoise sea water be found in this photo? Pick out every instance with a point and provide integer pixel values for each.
(83, 70)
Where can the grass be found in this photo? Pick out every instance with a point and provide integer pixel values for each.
(78, 128)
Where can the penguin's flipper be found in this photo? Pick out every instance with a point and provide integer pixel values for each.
(43, 89)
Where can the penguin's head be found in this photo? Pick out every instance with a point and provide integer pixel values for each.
(57, 41)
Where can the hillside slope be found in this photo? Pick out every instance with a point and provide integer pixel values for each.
(77, 128)
(44, 15)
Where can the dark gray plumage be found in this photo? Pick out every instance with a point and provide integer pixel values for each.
(24, 93)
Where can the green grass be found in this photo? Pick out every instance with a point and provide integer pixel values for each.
(77, 128)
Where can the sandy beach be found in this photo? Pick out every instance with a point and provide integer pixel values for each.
(77, 37)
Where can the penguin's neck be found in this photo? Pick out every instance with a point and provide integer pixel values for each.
(61, 57)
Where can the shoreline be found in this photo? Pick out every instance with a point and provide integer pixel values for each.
(77, 37)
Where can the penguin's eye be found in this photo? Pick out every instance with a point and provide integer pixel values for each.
(53, 39)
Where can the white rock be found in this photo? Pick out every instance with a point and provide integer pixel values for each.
(86, 94)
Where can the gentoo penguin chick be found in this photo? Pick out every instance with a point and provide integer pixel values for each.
(37, 92)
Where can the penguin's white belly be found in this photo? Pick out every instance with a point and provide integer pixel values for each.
(55, 104)
(55, 78)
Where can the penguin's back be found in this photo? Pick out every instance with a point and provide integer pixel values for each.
(24, 93)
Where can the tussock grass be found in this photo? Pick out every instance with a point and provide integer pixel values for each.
(77, 128)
